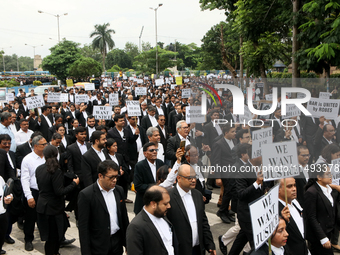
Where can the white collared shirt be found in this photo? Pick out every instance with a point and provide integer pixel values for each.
(164, 231)
(153, 120)
(2, 183)
(170, 179)
(160, 111)
(218, 129)
(277, 251)
(82, 147)
(63, 140)
(153, 169)
(327, 192)
(296, 216)
(163, 131)
(100, 154)
(138, 141)
(22, 137)
(91, 130)
(114, 158)
(160, 153)
(191, 212)
(111, 205)
(28, 166)
(13, 128)
(230, 143)
(47, 120)
(187, 142)
(198, 172)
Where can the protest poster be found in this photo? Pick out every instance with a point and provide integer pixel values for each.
(291, 111)
(146, 78)
(186, 80)
(264, 214)
(53, 97)
(9, 97)
(140, 81)
(335, 170)
(179, 80)
(269, 97)
(140, 91)
(324, 95)
(69, 83)
(246, 116)
(124, 77)
(300, 95)
(173, 86)
(119, 84)
(3, 94)
(328, 108)
(133, 108)
(161, 76)
(104, 84)
(259, 91)
(259, 138)
(186, 93)
(89, 86)
(265, 106)
(63, 97)
(280, 160)
(159, 82)
(193, 114)
(35, 102)
(102, 112)
(114, 99)
(81, 99)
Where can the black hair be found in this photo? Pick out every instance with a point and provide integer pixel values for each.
(105, 165)
(243, 149)
(162, 173)
(101, 127)
(79, 129)
(319, 170)
(158, 115)
(36, 133)
(240, 134)
(23, 120)
(110, 142)
(5, 137)
(154, 195)
(328, 150)
(118, 116)
(301, 147)
(227, 128)
(50, 153)
(96, 136)
(90, 117)
(147, 145)
(59, 126)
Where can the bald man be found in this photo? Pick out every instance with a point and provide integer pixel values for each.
(187, 215)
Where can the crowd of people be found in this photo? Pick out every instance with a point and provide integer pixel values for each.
(62, 152)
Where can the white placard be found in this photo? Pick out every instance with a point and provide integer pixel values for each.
(89, 86)
(133, 108)
(78, 99)
(140, 91)
(124, 77)
(9, 97)
(280, 160)
(269, 97)
(186, 93)
(173, 86)
(104, 84)
(264, 214)
(159, 82)
(35, 102)
(53, 97)
(167, 80)
(186, 80)
(140, 81)
(300, 95)
(64, 97)
(102, 112)
(246, 116)
(335, 170)
(259, 138)
(324, 95)
(193, 114)
(291, 111)
(114, 99)
(146, 78)
(328, 108)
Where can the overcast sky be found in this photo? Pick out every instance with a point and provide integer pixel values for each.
(20, 22)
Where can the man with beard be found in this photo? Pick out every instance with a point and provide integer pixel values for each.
(92, 158)
(150, 232)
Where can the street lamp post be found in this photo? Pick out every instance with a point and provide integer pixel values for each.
(3, 57)
(155, 9)
(33, 46)
(57, 16)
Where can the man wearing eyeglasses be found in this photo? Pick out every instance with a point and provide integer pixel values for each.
(145, 174)
(187, 215)
(29, 185)
(302, 178)
(324, 136)
(103, 216)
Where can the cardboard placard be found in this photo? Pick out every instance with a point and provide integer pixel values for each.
(114, 99)
(53, 97)
(64, 97)
(193, 114)
(9, 97)
(102, 112)
(328, 108)
(69, 83)
(78, 99)
(140, 91)
(259, 138)
(159, 82)
(179, 80)
(89, 86)
(133, 108)
(35, 102)
(186, 93)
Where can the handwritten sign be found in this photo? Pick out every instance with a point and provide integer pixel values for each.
(186, 93)
(328, 108)
(179, 80)
(89, 86)
(140, 91)
(133, 108)
(259, 138)
(102, 112)
(35, 102)
(114, 99)
(53, 97)
(81, 99)
(9, 97)
(63, 97)
(69, 83)
(193, 114)
(159, 82)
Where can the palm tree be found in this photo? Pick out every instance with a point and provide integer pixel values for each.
(103, 39)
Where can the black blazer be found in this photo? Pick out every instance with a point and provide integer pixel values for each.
(132, 148)
(173, 144)
(74, 159)
(51, 191)
(21, 152)
(125, 167)
(320, 215)
(6, 171)
(44, 127)
(94, 220)
(177, 214)
(264, 250)
(80, 118)
(143, 179)
(301, 182)
(210, 134)
(164, 141)
(142, 237)
(171, 122)
(89, 164)
(296, 242)
(146, 122)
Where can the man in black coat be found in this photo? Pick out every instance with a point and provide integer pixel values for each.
(142, 236)
(92, 158)
(187, 215)
(145, 174)
(24, 149)
(150, 119)
(45, 121)
(6, 171)
(171, 118)
(163, 130)
(302, 178)
(103, 218)
(323, 136)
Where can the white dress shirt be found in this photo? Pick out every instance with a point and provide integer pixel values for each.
(153, 168)
(111, 205)
(47, 120)
(138, 141)
(160, 153)
(160, 111)
(296, 216)
(277, 251)
(28, 166)
(164, 231)
(114, 158)
(170, 179)
(191, 212)
(187, 142)
(2, 183)
(82, 148)
(153, 120)
(22, 137)
(100, 154)
(163, 131)
(13, 128)
(230, 143)
(91, 130)
(63, 140)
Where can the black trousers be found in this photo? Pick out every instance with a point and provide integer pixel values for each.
(245, 235)
(316, 248)
(30, 217)
(53, 242)
(3, 228)
(227, 195)
(116, 245)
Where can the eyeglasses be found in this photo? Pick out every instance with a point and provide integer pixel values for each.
(189, 178)
(112, 177)
(162, 119)
(152, 150)
(185, 127)
(6, 143)
(43, 144)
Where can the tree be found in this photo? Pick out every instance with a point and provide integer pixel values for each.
(62, 56)
(103, 39)
(189, 53)
(84, 67)
(131, 49)
(88, 52)
(146, 46)
(118, 57)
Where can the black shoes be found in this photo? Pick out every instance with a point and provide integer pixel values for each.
(223, 247)
(9, 240)
(28, 246)
(223, 217)
(67, 242)
(209, 187)
(3, 252)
